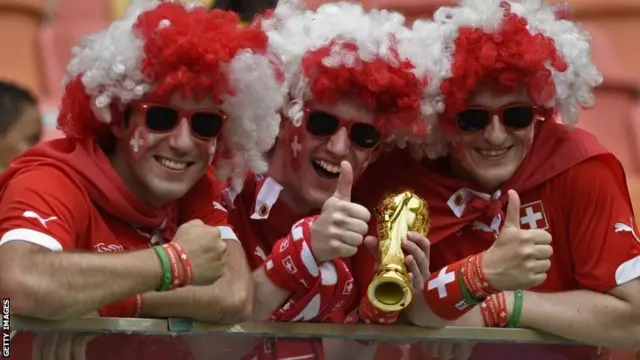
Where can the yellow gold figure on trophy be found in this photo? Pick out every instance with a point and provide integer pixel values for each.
(397, 214)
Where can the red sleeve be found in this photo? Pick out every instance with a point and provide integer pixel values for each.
(45, 207)
(602, 231)
(203, 202)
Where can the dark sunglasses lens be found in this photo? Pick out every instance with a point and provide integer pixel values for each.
(518, 117)
(206, 124)
(365, 136)
(322, 124)
(473, 120)
(161, 118)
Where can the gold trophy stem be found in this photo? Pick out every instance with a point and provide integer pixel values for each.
(399, 213)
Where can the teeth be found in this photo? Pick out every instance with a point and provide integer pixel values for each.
(334, 169)
(174, 165)
(493, 153)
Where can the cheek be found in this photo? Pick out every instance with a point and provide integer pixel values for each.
(460, 147)
(140, 139)
(208, 148)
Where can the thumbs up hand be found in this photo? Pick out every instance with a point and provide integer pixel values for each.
(342, 225)
(518, 259)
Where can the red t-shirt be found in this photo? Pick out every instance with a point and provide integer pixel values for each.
(58, 214)
(585, 207)
(260, 221)
(44, 203)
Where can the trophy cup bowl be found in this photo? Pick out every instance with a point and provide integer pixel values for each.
(397, 214)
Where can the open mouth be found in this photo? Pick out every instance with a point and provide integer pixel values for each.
(325, 169)
(172, 164)
(493, 154)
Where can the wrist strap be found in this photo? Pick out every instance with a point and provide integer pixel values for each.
(175, 267)
(186, 264)
(372, 315)
(517, 309)
(166, 268)
(444, 295)
(494, 310)
(291, 264)
(475, 278)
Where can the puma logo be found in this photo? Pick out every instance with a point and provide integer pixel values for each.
(33, 215)
(620, 226)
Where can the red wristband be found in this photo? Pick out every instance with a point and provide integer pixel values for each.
(186, 263)
(291, 264)
(176, 281)
(443, 292)
(487, 288)
(372, 315)
(125, 308)
(494, 311)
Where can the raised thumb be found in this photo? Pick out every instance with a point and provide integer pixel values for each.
(345, 182)
(512, 218)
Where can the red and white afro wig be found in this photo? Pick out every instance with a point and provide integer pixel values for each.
(341, 50)
(507, 45)
(161, 48)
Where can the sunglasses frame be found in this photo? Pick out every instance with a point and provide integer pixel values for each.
(347, 124)
(144, 108)
(499, 111)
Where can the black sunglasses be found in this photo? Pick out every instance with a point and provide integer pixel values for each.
(516, 117)
(322, 124)
(162, 118)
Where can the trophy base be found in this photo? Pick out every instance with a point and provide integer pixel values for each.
(390, 290)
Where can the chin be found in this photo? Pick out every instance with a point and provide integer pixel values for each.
(316, 198)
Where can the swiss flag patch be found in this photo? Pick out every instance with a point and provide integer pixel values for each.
(532, 216)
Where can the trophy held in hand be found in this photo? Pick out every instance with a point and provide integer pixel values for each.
(397, 214)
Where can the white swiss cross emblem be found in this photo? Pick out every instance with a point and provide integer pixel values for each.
(348, 285)
(288, 264)
(532, 216)
(441, 282)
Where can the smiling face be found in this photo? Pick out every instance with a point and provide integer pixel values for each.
(316, 162)
(160, 154)
(491, 155)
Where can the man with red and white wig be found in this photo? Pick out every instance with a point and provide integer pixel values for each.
(349, 93)
(123, 215)
(531, 219)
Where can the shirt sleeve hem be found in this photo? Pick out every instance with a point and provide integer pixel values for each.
(31, 236)
(227, 233)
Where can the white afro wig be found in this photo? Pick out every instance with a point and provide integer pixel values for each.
(160, 48)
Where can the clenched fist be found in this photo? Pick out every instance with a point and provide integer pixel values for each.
(206, 250)
(341, 226)
(519, 259)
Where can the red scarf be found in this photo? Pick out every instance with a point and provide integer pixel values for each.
(85, 162)
(555, 149)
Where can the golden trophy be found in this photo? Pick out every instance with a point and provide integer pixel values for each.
(397, 214)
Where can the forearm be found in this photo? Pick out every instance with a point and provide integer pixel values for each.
(267, 297)
(420, 314)
(62, 285)
(228, 300)
(585, 316)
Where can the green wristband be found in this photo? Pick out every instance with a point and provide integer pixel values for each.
(517, 309)
(465, 292)
(167, 278)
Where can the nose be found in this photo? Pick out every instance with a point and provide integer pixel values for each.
(339, 143)
(495, 133)
(180, 138)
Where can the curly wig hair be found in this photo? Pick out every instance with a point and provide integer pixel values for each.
(160, 49)
(506, 45)
(341, 50)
